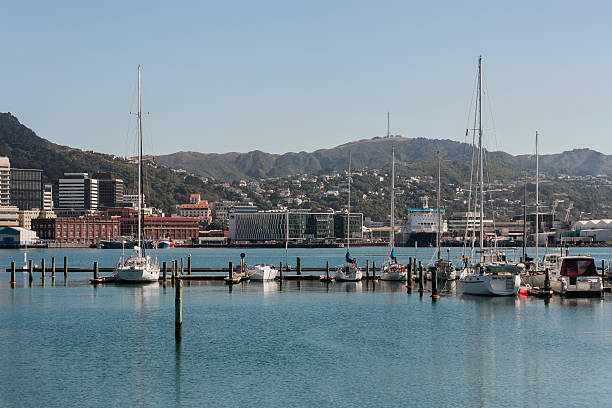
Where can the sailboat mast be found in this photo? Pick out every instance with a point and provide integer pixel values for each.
(537, 203)
(140, 204)
(438, 212)
(287, 237)
(525, 223)
(480, 158)
(392, 238)
(348, 216)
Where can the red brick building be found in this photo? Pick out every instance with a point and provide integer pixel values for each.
(82, 229)
(177, 228)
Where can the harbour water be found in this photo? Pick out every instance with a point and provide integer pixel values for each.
(293, 345)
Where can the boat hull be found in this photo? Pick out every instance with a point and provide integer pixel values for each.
(348, 273)
(262, 273)
(490, 285)
(137, 275)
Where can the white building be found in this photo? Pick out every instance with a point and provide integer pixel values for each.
(5, 181)
(17, 236)
(598, 230)
(26, 216)
(78, 191)
(48, 197)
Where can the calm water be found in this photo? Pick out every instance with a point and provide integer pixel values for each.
(299, 344)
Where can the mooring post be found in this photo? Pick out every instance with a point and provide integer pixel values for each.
(603, 272)
(165, 270)
(434, 285)
(299, 266)
(52, 267)
(327, 270)
(373, 270)
(182, 269)
(242, 264)
(367, 269)
(280, 270)
(189, 264)
(230, 269)
(95, 270)
(65, 267)
(414, 265)
(178, 311)
(42, 269)
(174, 267)
(13, 281)
(547, 280)
(409, 285)
(30, 270)
(421, 279)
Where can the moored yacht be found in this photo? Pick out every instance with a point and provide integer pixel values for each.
(261, 272)
(139, 267)
(575, 276)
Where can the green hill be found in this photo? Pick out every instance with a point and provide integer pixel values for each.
(163, 187)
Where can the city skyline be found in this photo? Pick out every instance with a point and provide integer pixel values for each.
(283, 77)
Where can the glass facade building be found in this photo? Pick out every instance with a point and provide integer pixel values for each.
(26, 189)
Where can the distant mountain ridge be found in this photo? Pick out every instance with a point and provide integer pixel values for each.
(376, 153)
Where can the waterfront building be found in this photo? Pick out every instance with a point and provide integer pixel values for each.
(78, 191)
(17, 236)
(196, 208)
(5, 181)
(303, 226)
(110, 190)
(597, 230)
(131, 200)
(26, 189)
(155, 228)
(25, 217)
(83, 230)
(47, 195)
(355, 226)
(9, 216)
(221, 210)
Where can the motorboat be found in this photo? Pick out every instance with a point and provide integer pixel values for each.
(261, 272)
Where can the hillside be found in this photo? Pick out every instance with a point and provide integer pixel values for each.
(376, 153)
(25, 149)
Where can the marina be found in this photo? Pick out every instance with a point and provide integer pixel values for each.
(308, 332)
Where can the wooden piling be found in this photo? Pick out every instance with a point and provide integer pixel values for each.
(603, 271)
(189, 264)
(280, 270)
(30, 270)
(298, 266)
(42, 269)
(96, 270)
(52, 267)
(13, 281)
(373, 270)
(434, 285)
(230, 270)
(182, 267)
(327, 270)
(409, 284)
(65, 267)
(367, 269)
(165, 270)
(178, 311)
(547, 280)
(421, 279)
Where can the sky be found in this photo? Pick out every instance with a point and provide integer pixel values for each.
(282, 76)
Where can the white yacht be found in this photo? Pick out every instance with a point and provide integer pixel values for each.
(349, 271)
(261, 272)
(139, 267)
(477, 280)
(392, 270)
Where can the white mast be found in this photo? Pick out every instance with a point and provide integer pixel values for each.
(287, 238)
(537, 204)
(348, 217)
(392, 238)
(480, 158)
(439, 213)
(139, 167)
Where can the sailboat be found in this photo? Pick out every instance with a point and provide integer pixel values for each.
(477, 279)
(392, 270)
(139, 267)
(349, 271)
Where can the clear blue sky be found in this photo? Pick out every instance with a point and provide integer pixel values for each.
(289, 76)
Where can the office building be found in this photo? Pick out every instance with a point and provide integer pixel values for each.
(47, 197)
(26, 189)
(78, 191)
(110, 190)
(5, 181)
(83, 230)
